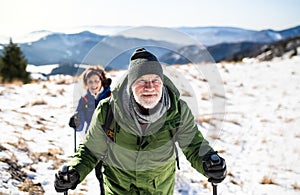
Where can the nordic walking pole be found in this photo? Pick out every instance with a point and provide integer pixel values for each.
(215, 191)
(74, 139)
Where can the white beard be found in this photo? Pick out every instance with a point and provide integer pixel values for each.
(147, 103)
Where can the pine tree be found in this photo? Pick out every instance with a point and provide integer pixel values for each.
(1, 65)
(13, 64)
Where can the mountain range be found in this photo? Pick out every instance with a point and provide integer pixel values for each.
(222, 43)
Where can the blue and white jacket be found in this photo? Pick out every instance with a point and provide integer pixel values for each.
(87, 105)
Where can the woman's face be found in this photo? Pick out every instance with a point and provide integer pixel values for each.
(94, 84)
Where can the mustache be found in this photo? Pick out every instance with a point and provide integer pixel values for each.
(149, 93)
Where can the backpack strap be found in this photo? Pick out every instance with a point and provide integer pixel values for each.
(106, 126)
(109, 138)
(85, 101)
(109, 118)
(85, 98)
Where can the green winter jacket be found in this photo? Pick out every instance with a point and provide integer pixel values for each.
(136, 163)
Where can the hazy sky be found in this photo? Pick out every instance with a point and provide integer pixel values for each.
(19, 16)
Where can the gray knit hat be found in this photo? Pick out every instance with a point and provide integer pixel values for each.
(143, 62)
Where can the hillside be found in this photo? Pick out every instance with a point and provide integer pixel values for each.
(259, 132)
(234, 52)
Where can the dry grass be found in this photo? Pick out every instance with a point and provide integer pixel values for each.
(44, 86)
(61, 82)
(47, 156)
(16, 172)
(43, 128)
(27, 127)
(221, 151)
(61, 91)
(267, 180)
(296, 186)
(64, 81)
(205, 96)
(185, 93)
(216, 95)
(20, 145)
(229, 173)
(212, 120)
(204, 120)
(32, 188)
(264, 120)
(237, 142)
(2, 148)
(39, 102)
(235, 182)
(15, 169)
(14, 82)
(204, 183)
(50, 94)
(264, 141)
(289, 120)
(77, 193)
(214, 136)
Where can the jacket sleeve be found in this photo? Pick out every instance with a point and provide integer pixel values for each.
(93, 148)
(191, 140)
(83, 161)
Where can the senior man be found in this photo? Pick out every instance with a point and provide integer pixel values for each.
(138, 148)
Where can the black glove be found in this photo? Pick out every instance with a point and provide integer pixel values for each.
(66, 179)
(214, 167)
(75, 121)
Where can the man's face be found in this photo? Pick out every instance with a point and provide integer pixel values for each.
(147, 90)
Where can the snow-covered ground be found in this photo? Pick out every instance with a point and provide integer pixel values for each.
(259, 136)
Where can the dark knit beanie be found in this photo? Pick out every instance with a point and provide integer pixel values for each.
(143, 62)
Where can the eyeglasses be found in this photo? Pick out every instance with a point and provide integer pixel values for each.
(154, 82)
(90, 82)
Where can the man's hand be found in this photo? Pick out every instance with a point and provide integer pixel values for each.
(214, 167)
(75, 121)
(66, 179)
